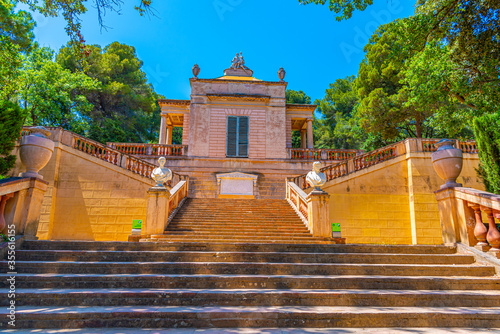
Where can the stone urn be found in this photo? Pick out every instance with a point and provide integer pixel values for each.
(196, 70)
(35, 151)
(447, 162)
(281, 74)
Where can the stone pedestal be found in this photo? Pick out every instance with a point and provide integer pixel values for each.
(157, 211)
(318, 207)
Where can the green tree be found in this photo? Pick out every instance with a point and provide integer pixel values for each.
(488, 141)
(15, 40)
(52, 95)
(11, 121)
(343, 7)
(71, 10)
(296, 97)
(124, 105)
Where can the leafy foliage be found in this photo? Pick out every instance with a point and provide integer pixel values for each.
(71, 10)
(123, 107)
(52, 95)
(15, 40)
(11, 121)
(488, 141)
(343, 7)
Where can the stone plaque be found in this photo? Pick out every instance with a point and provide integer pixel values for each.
(236, 185)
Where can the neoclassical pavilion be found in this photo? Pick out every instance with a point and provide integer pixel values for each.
(237, 115)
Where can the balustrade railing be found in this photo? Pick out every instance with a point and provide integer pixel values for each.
(321, 154)
(150, 149)
(178, 194)
(361, 161)
(473, 219)
(108, 154)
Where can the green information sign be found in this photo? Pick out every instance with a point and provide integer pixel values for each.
(137, 223)
(335, 227)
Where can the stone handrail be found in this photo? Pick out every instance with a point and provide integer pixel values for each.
(467, 146)
(360, 162)
(150, 149)
(461, 211)
(296, 197)
(178, 195)
(321, 154)
(106, 153)
(313, 209)
(20, 204)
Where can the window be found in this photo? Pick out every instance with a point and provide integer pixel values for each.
(237, 136)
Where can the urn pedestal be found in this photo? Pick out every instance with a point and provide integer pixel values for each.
(447, 162)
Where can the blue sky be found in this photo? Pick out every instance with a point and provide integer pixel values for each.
(306, 41)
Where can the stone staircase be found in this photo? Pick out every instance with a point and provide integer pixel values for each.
(76, 284)
(238, 220)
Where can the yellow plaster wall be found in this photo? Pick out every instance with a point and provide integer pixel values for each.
(89, 199)
(393, 202)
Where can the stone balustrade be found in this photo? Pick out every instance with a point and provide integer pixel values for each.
(104, 152)
(20, 204)
(313, 209)
(468, 216)
(150, 149)
(359, 161)
(321, 154)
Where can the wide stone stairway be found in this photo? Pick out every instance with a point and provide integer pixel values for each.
(238, 220)
(75, 284)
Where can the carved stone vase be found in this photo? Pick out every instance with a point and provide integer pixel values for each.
(35, 151)
(447, 162)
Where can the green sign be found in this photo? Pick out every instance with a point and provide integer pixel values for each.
(137, 223)
(335, 227)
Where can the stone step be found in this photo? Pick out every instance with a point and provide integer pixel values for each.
(229, 281)
(222, 239)
(195, 233)
(249, 228)
(248, 268)
(242, 247)
(251, 316)
(252, 297)
(280, 257)
(235, 236)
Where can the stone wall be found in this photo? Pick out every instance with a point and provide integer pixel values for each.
(393, 202)
(89, 199)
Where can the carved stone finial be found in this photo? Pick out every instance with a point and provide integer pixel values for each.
(161, 174)
(316, 178)
(281, 74)
(196, 70)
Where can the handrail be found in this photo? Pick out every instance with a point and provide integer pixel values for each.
(321, 154)
(297, 199)
(383, 154)
(149, 149)
(178, 195)
(108, 154)
(474, 205)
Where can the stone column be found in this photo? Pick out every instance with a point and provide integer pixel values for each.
(318, 210)
(170, 130)
(310, 142)
(157, 211)
(303, 142)
(163, 128)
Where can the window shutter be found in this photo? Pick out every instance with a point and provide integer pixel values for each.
(232, 136)
(243, 137)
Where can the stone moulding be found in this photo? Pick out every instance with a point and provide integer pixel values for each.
(236, 185)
